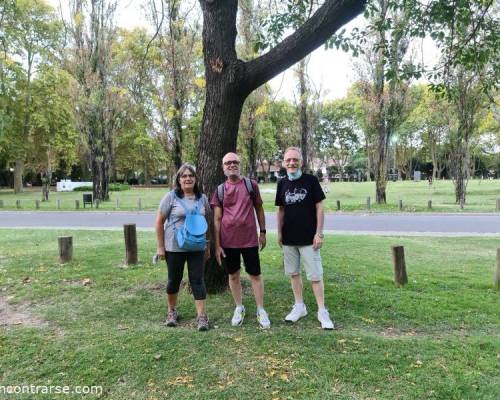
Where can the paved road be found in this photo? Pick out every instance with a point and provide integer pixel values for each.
(401, 223)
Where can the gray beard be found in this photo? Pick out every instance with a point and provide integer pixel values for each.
(231, 174)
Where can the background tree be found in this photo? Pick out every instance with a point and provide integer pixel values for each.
(177, 68)
(384, 104)
(137, 145)
(467, 98)
(53, 137)
(337, 135)
(99, 105)
(34, 33)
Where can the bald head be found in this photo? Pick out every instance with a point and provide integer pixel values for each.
(230, 156)
(231, 166)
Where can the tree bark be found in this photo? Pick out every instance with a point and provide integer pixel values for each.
(304, 123)
(18, 176)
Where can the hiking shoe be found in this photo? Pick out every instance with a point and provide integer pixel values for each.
(263, 319)
(202, 322)
(324, 318)
(171, 318)
(298, 311)
(238, 316)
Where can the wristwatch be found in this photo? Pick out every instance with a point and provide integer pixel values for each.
(262, 231)
(320, 235)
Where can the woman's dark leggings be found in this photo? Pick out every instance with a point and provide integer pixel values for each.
(195, 262)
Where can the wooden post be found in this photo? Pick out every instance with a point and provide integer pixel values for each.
(496, 278)
(117, 202)
(139, 204)
(65, 248)
(37, 204)
(368, 203)
(398, 261)
(429, 204)
(498, 204)
(97, 203)
(1, 203)
(130, 244)
(77, 204)
(58, 204)
(18, 203)
(462, 203)
(400, 205)
(338, 205)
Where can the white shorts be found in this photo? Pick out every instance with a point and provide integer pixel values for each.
(311, 259)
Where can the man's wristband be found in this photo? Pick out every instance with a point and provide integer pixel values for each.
(262, 231)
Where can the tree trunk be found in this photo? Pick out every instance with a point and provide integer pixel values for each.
(100, 155)
(304, 123)
(18, 176)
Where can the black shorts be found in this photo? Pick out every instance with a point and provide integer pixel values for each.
(250, 259)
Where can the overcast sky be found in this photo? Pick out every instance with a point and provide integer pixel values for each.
(330, 70)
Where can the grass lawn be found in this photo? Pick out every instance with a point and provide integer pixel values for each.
(481, 197)
(100, 323)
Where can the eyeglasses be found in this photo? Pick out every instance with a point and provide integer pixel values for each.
(187, 176)
(289, 160)
(229, 162)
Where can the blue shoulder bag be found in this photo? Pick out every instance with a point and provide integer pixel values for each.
(191, 235)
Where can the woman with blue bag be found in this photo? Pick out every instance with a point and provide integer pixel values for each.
(181, 226)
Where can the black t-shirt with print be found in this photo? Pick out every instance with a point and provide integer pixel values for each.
(299, 197)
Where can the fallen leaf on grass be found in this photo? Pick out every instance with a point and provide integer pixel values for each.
(157, 356)
(181, 380)
(86, 282)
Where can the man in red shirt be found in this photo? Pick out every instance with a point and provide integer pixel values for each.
(235, 204)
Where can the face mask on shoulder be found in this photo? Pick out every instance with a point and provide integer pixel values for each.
(293, 176)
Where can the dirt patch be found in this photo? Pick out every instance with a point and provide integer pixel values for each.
(17, 315)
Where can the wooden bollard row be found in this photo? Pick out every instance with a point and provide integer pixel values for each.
(399, 265)
(401, 204)
(129, 230)
(96, 202)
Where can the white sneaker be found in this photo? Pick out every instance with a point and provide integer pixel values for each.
(298, 311)
(263, 319)
(238, 316)
(324, 318)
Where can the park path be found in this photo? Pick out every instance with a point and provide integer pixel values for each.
(375, 224)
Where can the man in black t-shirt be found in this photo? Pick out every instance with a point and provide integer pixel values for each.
(300, 233)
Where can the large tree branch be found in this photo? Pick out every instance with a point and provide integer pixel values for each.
(316, 30)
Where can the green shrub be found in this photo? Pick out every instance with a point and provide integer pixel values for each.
(118, 187)
(83, 189)
(113, 187)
